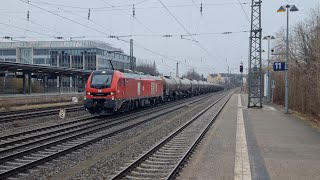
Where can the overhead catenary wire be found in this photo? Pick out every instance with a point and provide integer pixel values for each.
(247, 17)
(141, 2)
(106, 35)
(149, 50)
(183, 27)
(151, 35)
(146, 27)
(154, 52)
(33, 22)
(128, 7)
(12, 37)
(62, 17)
(27, 30)
(86, 18)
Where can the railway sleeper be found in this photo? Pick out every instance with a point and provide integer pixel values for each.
(23, 160)
(137, 178)
(152, 166)
(165, 156)
(156, 162)
(15, 163)
(12, 178)
(149, 175)
(52, 150)
(171, 153)
(45, 153)
(175, 147)
(5, 168)
(166, 159)
(178, 141)
(170, 149)
(30, 158)
(38, 156)
(143, 169)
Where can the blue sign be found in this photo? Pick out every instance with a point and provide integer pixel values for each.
(279, 66)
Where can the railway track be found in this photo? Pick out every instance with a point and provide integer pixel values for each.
(35, 109)
(164, 160)
(25, 150)
(21, 115)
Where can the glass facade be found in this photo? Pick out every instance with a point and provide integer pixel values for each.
(8, 55)
(66, 54)
(94, 59)
(86, 55)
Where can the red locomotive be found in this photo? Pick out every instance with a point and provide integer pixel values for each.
(111, 90)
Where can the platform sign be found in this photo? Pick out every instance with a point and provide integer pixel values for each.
(279, 66)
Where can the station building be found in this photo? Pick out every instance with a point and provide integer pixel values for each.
(82, 55)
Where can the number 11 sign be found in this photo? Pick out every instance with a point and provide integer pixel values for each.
(279, 66)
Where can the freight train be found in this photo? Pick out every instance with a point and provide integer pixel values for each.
(112, 91)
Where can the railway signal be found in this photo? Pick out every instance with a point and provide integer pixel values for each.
(241, 67)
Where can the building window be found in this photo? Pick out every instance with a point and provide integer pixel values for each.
(8, 52)
(38, 61)
(9, 60)
(40, 52)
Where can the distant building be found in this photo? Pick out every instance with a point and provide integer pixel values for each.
(84, 55)
(87, 55)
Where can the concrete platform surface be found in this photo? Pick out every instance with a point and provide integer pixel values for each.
(37, 98)
(256, 144)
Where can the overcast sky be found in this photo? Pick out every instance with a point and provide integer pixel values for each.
(69, 18)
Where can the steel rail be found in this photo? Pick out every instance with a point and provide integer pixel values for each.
(70, 146)
(88, 117)
(21, 116)
(176, 169)
(155, 148)
(4, 113)
(39, 138)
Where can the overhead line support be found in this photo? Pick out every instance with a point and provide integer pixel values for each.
(255, 67)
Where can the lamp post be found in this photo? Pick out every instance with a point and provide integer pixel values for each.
(287, 8)
(269, 74)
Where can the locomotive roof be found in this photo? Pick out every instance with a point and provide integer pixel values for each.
(128, 75)
(103, 72)
(138, 76)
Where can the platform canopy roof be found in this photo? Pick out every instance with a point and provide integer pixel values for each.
(34, 68)
(60, 44)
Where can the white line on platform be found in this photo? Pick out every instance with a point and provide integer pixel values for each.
(242, 165)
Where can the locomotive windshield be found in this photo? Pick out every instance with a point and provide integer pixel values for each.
(101, 80)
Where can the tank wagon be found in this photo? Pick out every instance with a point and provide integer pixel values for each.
(111, 90)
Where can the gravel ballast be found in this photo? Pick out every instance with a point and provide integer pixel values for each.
(102, 159)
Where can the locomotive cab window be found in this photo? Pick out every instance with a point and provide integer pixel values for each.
(101, 80)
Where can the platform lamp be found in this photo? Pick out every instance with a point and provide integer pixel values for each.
(269, 74)
(287, 8)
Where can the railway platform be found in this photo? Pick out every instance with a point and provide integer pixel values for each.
(17, 102)
(255, 144)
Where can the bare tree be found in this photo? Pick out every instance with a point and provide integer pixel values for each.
(304, 66)
(148, 68)
(192, 74)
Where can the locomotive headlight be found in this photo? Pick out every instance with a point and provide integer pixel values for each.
(112, 93)
(88, 93)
